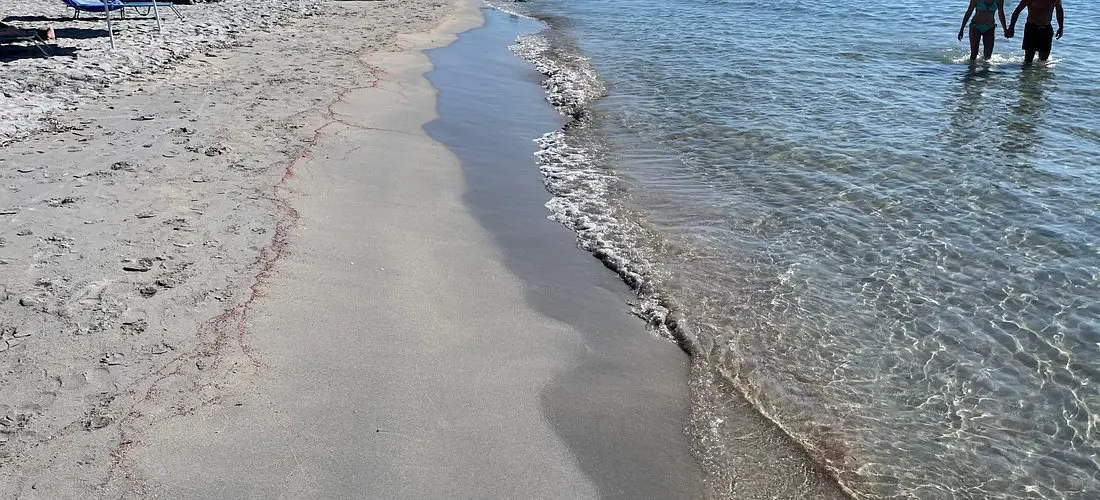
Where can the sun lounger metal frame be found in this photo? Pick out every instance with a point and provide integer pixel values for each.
(121, 6)
(27, 36)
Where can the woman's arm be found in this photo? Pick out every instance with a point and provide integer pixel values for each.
(1001, 13)
(966, 17)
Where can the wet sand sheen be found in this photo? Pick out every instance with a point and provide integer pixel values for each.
(621, 405)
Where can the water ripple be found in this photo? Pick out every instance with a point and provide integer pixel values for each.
(894, 255)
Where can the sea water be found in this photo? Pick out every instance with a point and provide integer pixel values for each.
(893, 254)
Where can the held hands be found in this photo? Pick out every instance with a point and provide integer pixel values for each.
(1010, 32)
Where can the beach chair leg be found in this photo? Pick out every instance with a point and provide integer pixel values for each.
(41, 46)
(156, 14)
(176, 11)
(110, 28)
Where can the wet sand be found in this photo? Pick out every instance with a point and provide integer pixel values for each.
(621, 406)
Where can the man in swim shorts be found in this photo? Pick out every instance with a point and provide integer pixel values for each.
(1038, 33)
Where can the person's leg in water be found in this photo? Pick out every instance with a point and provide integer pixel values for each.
(975, 39)
(1046, 41)
(1037, 39)
(989, 38)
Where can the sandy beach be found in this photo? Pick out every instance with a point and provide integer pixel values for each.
(39, 91)
(252, 274)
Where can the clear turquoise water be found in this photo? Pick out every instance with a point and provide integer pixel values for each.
(893, 254)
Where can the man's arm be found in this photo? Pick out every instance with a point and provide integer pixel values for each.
(1001, 13)
(1061, 18)
(1016, 14)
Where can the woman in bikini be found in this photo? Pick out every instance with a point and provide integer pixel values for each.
(984, 27)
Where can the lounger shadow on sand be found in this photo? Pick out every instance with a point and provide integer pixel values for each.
(13, 35)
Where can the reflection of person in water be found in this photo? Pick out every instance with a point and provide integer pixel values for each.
(984, 27)
(969, 111)
(1028, 113)
(1038, 33)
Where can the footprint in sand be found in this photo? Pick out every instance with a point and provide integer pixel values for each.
(98, 414)
(61, 202)
(91, 294)
(32, 301)
(134, 327)
(125, 166)
(14, 420)
(141, 265)
(112, 359)
(178, 224)
(160, 348)
(11, 336)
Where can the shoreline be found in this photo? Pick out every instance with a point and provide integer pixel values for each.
(356, 405)
(723, 413)
(622, 406)
(157, 348)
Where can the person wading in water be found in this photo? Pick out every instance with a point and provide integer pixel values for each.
(1038, 33)
(984, 26)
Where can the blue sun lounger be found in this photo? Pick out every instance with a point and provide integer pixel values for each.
(108, 6)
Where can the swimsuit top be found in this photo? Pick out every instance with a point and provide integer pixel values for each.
(986, 6)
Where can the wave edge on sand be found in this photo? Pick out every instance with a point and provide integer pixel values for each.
(577, 168)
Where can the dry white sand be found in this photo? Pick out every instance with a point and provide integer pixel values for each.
(253, 276)
(37, 89)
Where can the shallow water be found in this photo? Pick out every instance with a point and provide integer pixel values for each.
(895, 255)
